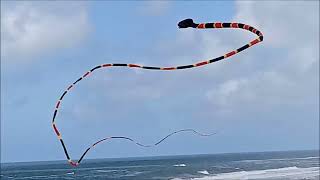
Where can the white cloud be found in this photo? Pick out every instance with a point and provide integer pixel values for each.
(291, 26)
(285, 64)
(265, 88)
(272, 74)
(32, 29)
(228, 90)
(155, 8)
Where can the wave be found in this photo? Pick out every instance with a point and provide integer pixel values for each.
(81, 169)
(105, 171)
(28, 177)
(179, 165)
(204, 172)
(133, 174)
(124, 173)
(283, 159)
(280, 173)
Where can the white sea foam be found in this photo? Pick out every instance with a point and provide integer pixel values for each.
(106, 171)
(133, 174)
(70, 173)
(281, 173)
(32, 177)
(283, 159)
(82, 169)
(204, 172)
(179, 165)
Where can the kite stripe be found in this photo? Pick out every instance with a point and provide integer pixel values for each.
(119, 64)
(183, 24)
(149, 67)
(65, 149)
(185, 67)
(83, 155)
(97, 67)
(216, 59)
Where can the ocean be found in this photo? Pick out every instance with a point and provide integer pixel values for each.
(261, 165)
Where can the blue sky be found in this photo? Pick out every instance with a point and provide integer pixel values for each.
(264, 99)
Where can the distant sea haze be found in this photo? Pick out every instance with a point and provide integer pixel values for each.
(261, 165)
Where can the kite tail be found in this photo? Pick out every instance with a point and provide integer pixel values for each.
(73, 163)
(183, 24)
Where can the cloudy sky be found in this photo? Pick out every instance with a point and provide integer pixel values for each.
(264, 99)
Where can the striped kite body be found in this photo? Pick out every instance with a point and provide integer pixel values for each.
(183, 24)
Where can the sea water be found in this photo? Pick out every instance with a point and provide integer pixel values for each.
(262, 165)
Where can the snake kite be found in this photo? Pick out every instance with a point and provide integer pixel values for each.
(183, 24)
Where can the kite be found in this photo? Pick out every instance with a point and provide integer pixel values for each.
(183, 24)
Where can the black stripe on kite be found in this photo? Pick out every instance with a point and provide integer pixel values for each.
(116, 64)
(226, 25)
(65, 149)
(83, 155)
(208, 25)
(95, 68)
(64, 93)
(216, 59)
(77, 81)
(54, 115)
(185, 67)
(261, 38)
(150, 67)
(240, 25)
(243, 48)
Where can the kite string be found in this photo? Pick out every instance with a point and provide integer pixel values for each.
(183, 24)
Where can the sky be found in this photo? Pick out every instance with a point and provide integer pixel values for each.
(264, 99)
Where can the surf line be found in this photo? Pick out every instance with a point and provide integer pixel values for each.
(183, 24)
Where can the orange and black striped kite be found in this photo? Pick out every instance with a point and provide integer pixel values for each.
(183, 24)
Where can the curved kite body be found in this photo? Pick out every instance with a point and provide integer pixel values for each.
(183, 24)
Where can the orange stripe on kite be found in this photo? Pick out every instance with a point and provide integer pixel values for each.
(134, 65)
(254, 30)
(202, 63)
(86, 74)
(106, 65)
(58, 103)
(70, 87)
(55, 129)
(169, 68)
(218, 25)
(201, 26)
(254, 42)
(230, 54)
(73, 163)
(234, 25)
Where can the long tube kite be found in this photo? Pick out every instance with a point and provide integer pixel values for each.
(183, 24)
